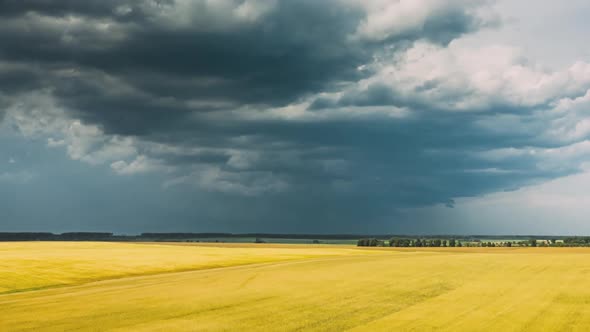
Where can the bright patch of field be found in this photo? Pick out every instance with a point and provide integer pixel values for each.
(36, 265)
(429, 289)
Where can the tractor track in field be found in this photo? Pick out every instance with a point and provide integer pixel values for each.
(187, 271)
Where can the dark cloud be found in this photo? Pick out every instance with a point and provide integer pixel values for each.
(299, 47)
(190, 84)
(295, 49)
(113, 9)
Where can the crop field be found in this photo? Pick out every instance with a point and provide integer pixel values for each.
(85, 286)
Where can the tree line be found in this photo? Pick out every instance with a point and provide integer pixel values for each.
(406, 242)
(436, 242)
(44, 236)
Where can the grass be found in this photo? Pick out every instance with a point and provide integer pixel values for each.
(294, 287)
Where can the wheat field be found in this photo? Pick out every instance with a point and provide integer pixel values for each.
(87, 286)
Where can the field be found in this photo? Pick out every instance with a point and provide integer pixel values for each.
(60, 286)
(268, 240)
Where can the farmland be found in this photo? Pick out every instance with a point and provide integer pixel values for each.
(57, 286)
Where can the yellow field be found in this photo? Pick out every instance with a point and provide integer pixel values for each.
(134, 287)
(36, 265)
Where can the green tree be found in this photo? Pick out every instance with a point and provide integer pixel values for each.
(393, 242)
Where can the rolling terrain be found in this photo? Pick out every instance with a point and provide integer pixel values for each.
(216, 287)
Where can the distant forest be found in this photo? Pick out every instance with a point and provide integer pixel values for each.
(363, 240)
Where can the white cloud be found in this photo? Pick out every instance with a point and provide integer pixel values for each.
(139, 165)
(53, 143)
(37, 115)
(463, 78)
(387, 19)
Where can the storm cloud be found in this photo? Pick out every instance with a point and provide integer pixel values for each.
(300, 115)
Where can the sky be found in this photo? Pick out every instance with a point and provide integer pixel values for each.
(335, 116)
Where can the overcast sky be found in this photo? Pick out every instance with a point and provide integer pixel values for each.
(334, 116)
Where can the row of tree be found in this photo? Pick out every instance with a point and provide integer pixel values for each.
(426, 242)
(370, 242)
(404, 242)
(566, 242)
(578, 241)
(71, 236)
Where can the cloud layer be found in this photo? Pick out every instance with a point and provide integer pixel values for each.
(307, 114)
